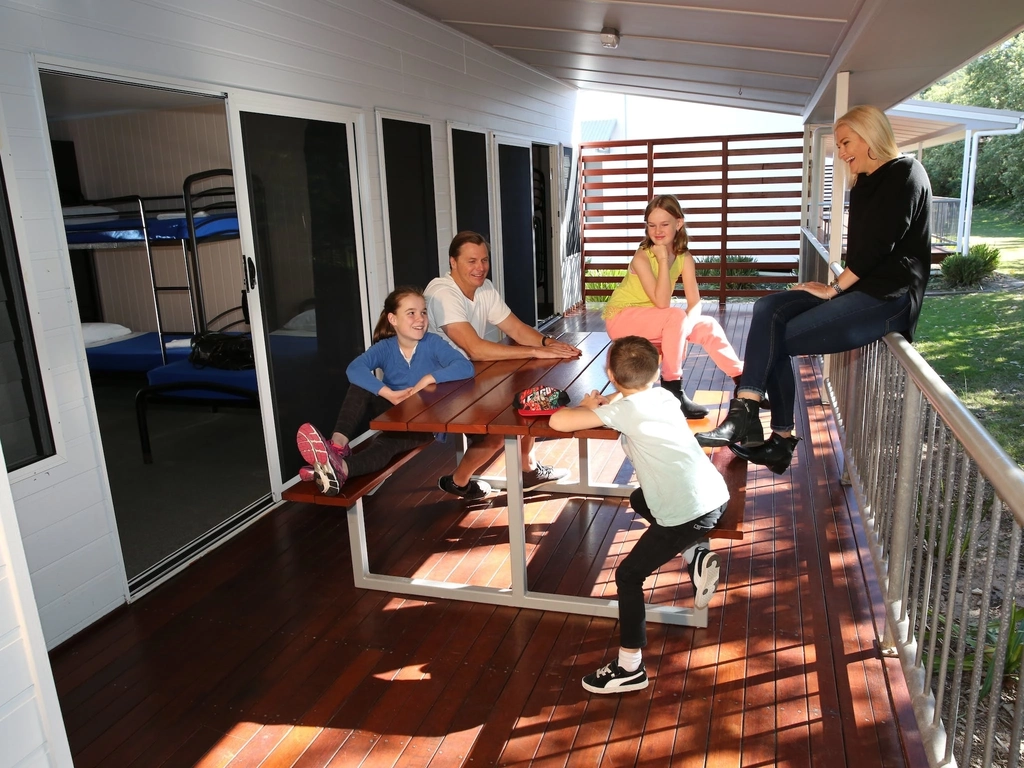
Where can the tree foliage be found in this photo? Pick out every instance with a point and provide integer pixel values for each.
(994, 80)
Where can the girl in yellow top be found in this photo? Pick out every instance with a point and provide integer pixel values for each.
(642, 303)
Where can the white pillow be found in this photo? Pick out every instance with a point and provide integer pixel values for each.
(94, 332)
(77, 214)
(304, 321)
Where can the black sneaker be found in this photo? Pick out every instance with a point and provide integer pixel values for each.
(542, 474)
(705, 570)
(474, 489)
(611, 678)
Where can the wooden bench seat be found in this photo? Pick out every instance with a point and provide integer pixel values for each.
(734, 470)
(354, 488)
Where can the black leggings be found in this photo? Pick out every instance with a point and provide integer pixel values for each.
(653, 549)
(358, 408)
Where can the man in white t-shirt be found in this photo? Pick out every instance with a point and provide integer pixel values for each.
(460, 306)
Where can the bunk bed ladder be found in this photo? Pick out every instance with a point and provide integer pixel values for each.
(158, 289)
(190, 196)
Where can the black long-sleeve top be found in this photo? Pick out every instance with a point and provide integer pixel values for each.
(889, 233)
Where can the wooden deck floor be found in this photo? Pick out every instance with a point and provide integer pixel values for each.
(263, 653)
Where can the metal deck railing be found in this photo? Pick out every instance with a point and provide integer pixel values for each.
(943, 506)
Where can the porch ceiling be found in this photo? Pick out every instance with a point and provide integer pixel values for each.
(773, 55)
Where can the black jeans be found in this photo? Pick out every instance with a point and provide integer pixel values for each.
(358, 408)
(653, 549)
(798, 323)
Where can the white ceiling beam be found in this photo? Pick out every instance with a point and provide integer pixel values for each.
(665, 62)
(853, 32)
(653, 38)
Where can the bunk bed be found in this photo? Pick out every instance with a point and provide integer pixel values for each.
(205, 212)
(201, 214)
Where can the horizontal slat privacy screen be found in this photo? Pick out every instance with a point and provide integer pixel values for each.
(740, 195)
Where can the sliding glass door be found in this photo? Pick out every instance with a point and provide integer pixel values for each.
(304, 266)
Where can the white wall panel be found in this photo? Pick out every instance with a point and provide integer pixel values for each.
(46, 509)
(48, 272)
(68, 569)
(31, 730)
(77, 609)
(362, 53)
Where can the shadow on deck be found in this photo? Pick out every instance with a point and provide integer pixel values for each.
(263, 653)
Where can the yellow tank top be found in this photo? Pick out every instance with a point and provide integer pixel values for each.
(630, 292)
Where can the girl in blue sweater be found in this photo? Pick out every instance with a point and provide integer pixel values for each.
(410, 359)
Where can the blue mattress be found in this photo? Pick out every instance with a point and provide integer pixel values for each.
(137, 353)
(183, 371)
(129, 230)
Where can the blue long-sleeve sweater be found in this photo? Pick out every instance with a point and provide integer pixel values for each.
(433, 355)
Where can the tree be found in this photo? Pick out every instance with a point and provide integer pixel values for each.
(995, 80)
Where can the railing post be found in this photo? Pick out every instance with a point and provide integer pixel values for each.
(724, 253)
(905, 503)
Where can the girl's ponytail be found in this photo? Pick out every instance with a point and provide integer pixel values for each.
(384, 329)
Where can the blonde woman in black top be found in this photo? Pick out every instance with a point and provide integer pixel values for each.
(888, 259)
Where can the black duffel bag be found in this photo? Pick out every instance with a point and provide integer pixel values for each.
(229, 351)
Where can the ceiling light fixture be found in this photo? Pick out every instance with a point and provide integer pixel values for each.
(610, 37)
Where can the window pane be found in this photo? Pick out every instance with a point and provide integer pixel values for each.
(24, 427)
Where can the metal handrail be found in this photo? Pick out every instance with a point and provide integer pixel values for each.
(932, 487)
(1005, 475)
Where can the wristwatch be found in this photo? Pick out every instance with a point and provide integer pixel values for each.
(834, 285)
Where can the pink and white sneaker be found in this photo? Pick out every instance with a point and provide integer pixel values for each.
(306, 474)
(324, 458)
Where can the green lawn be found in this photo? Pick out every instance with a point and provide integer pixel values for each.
(997, 227)
(975, 341)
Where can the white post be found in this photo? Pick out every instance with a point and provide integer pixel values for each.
(839, 170)
(975, 146)
(961, 223)
(835, 241)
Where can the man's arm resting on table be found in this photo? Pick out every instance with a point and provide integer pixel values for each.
(526, 336)
(530, 343)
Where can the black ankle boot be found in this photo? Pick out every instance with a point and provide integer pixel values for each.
(765, 405)
(742, 425)
(776, 453)
(690, 409)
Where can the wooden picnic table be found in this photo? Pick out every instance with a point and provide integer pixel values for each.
(484, 405)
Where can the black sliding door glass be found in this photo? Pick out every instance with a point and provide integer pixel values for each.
(412, 215)
(304, 228)
(516, 186)
(24, 424)
(472, 196)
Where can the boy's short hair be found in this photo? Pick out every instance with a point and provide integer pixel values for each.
(633, 361)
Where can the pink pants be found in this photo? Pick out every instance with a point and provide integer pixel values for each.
(672, 329)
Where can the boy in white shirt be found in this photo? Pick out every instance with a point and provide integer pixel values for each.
(681, 495)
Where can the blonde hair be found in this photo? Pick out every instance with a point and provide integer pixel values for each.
(871, 124)
(670, 205)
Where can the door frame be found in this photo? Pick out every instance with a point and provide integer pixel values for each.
(239, 101)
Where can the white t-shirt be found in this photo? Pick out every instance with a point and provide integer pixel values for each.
(679, 481)
(446, 303)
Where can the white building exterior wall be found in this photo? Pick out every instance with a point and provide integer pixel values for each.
(31, 729)
(366, 54)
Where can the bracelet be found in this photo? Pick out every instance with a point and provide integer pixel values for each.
(544, 340)
(834, 285)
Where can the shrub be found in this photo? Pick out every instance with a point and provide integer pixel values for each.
(988, 254)
(963, 271)
(714, 261)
